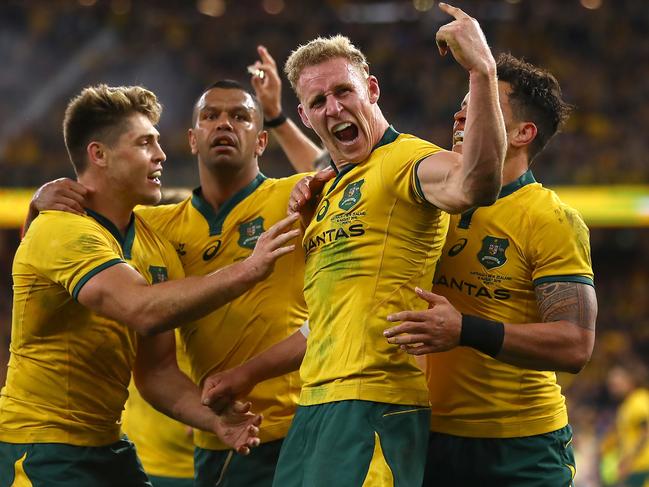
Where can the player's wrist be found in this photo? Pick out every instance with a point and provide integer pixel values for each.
(486, 336)
(275, 121)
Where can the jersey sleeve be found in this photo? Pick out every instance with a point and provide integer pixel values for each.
(71, 249)
(400, 167)
(560, 247)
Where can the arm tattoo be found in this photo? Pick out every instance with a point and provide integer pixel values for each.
(568, 301)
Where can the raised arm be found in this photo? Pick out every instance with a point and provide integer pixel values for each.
(300, 150)
(166, 388)
(456, 182)
(121, 293)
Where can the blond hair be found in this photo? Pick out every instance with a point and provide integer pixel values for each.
(320, 50)
(101, 113)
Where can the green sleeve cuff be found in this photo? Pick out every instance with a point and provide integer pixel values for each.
(90, 274)
(566, 278)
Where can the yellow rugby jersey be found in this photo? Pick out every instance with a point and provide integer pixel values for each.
(631, 422)
(69, 368)
(373, 240)
(271, 311)
(492, 260)
(164, 446)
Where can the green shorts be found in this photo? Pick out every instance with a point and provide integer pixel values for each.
(354, 444)
(533, 461)
(170, 481)
(60, 465)
(226, 468)
(637, 479)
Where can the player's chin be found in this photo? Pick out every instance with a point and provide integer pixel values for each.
(151, 197)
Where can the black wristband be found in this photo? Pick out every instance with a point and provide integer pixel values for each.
(486, 336)
(275, 122)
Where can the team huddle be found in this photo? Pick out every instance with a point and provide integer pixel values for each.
(427, 296)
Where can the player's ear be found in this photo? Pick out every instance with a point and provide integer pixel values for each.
(262, 142)
(96, 153)
(373, 88)
(303, 117)
(524, 135)
(192, 141)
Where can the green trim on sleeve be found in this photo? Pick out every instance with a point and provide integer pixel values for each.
(93, 272)
(567, 278)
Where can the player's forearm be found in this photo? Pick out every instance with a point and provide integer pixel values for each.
(31, 216)
(485, 139)
(560, 346)
(300, 150)
(170, 304)
(282, 358)
(171, 392)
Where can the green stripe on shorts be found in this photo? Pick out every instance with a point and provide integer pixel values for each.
(354, 443)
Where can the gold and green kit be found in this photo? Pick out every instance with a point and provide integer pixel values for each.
(274, 309)
(69, 368)
(493, 259)
(164, 445)
(374, 238)
(631, 424)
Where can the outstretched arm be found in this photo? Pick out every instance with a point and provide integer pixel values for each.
(166, 388)
(456, 182)
(300, 150)
(286, 356)
(563, 341)
(121, 293)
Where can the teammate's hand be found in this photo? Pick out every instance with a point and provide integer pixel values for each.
(435, 329)
(466, 41)
(268, 87)
(306, 194)
(62, 194)
(238, 427)
(270, 246)
(220, 389)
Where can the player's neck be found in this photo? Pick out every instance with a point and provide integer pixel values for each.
(514, 167)
(218, 185)
(112, 206)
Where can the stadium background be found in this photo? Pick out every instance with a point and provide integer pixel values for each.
(598, 49)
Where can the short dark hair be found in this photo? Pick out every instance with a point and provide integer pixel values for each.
(230, 84)
(101, 113)
(535, 97)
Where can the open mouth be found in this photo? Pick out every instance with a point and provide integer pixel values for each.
(155, 176)
(458, 137)
(222, 142)
(345, 132)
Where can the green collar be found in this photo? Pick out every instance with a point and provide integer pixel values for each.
(526, 178)
(389, 136)
(215, 219)
(126, 241)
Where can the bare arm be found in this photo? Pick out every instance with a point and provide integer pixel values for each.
(300, 150)
(562, 342)
(283, 357)
(121, 293)
(166, 388)
(455, 182)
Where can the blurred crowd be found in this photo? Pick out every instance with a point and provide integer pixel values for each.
(48, 49)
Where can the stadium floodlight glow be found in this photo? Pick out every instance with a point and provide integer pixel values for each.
(423, 5)
(273, 7)
(213, 8)
(591, 4)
